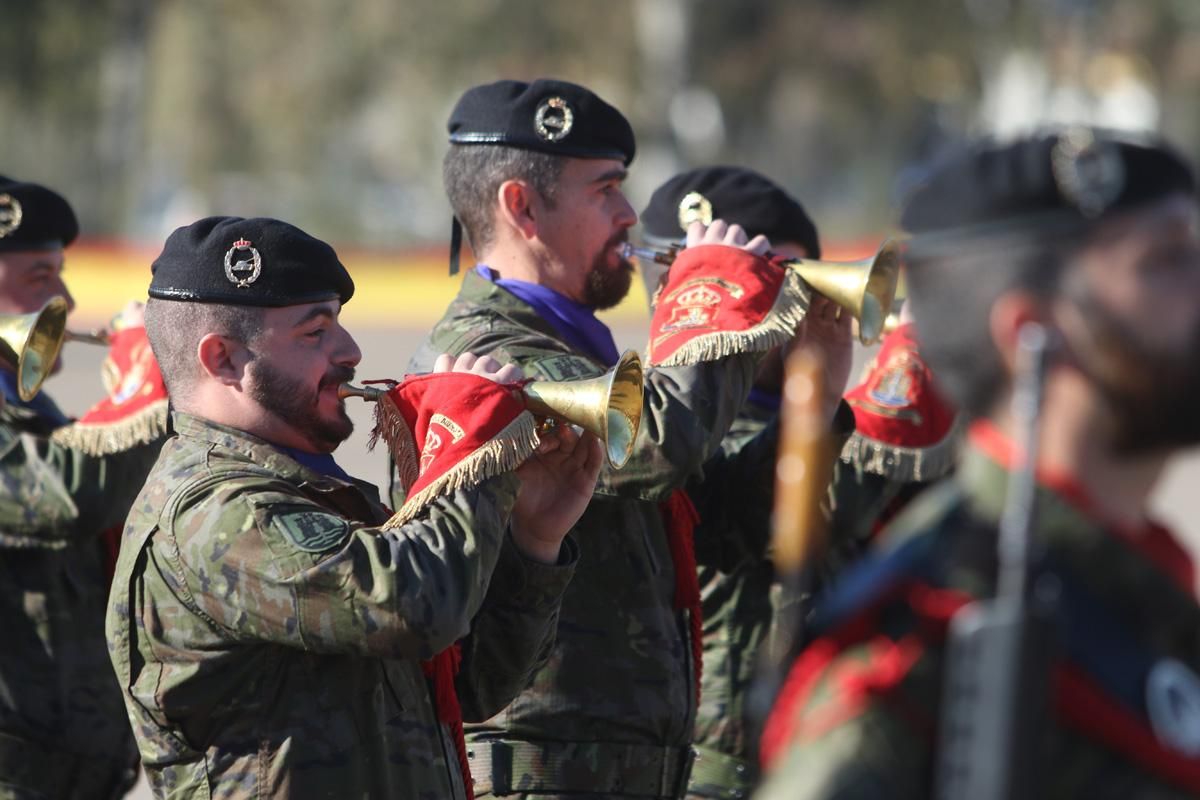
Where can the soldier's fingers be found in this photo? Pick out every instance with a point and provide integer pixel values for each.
(510, 373)
(715, 232)
(486, 366)
(760, 245)
(464, 362)
(735, 236)
(581, 454)
(595, 454)
(823, 308)
(443, 363)
(695, 233)
(549, 440)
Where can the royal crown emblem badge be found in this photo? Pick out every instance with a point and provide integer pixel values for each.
(695, 207)
(244, 270)
(553, 119)
(10, 214)
(694, 308)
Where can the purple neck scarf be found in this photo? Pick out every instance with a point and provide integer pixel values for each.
(575, 322)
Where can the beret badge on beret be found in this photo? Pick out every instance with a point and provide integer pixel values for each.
(1090, 174)
(695, 207)
(553, 119)
(244, 271)
(10, 214)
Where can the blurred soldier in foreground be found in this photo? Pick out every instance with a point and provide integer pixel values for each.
(63, 729)
(534, 173)
(734, 497)
(1094, 240)
(268, 629)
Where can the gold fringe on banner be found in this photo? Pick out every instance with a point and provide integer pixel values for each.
(788, 311)
(106, 438)
(906, 464)
(504, 452)
(393, 430)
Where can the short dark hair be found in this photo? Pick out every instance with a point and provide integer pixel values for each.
(952, 293)
(175, 329)
(472, 175)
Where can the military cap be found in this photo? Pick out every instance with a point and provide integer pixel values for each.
(248, 262)
(734, 194)
(33, 217)
(548, 116)
(1068, 178)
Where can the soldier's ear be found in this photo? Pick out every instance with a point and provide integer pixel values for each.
(516, 207)
(222, 359)
(1008, 314)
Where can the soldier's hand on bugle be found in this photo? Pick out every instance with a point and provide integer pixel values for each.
(719, 232)
(827, 330)
(484, 366)
(557, 482)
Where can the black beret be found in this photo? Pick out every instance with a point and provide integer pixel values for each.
(547, 115)
(248, 262)
(734, 194)
(33, 217)
(1067, 178)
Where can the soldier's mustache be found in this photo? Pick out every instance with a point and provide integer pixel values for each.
(337, 376)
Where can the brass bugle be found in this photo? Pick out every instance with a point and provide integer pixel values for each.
(893, 319)
(865, 288)
(609, 406)
(98, 336)
(30, 344)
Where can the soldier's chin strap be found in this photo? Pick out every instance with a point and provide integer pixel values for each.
(456, 234)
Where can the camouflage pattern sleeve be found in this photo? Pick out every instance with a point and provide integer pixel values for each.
(859, 726)
(735, 493)
(518, 620)
(54, 494)
(264, 562)
(686, 413)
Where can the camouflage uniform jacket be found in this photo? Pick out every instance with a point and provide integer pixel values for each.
(614, 709)
(63, 729)
(858, 715)
(268, 635)
(740, 594)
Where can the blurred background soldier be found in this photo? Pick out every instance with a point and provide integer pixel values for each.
(63, 728)
(534, 173)
(734, 497)
(1094, 240)
(267, 627)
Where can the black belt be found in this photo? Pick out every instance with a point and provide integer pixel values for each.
(507, 766)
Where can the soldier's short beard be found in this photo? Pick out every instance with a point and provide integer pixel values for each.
(291, 401)
(607, 287)
(1152, 393)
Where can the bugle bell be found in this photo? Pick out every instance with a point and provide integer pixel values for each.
(30, 343)
(99, 336)
(609, 406)
(864, 288)
(893, 319)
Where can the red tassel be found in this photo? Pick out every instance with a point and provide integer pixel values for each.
(441, 669)
(680, 519)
